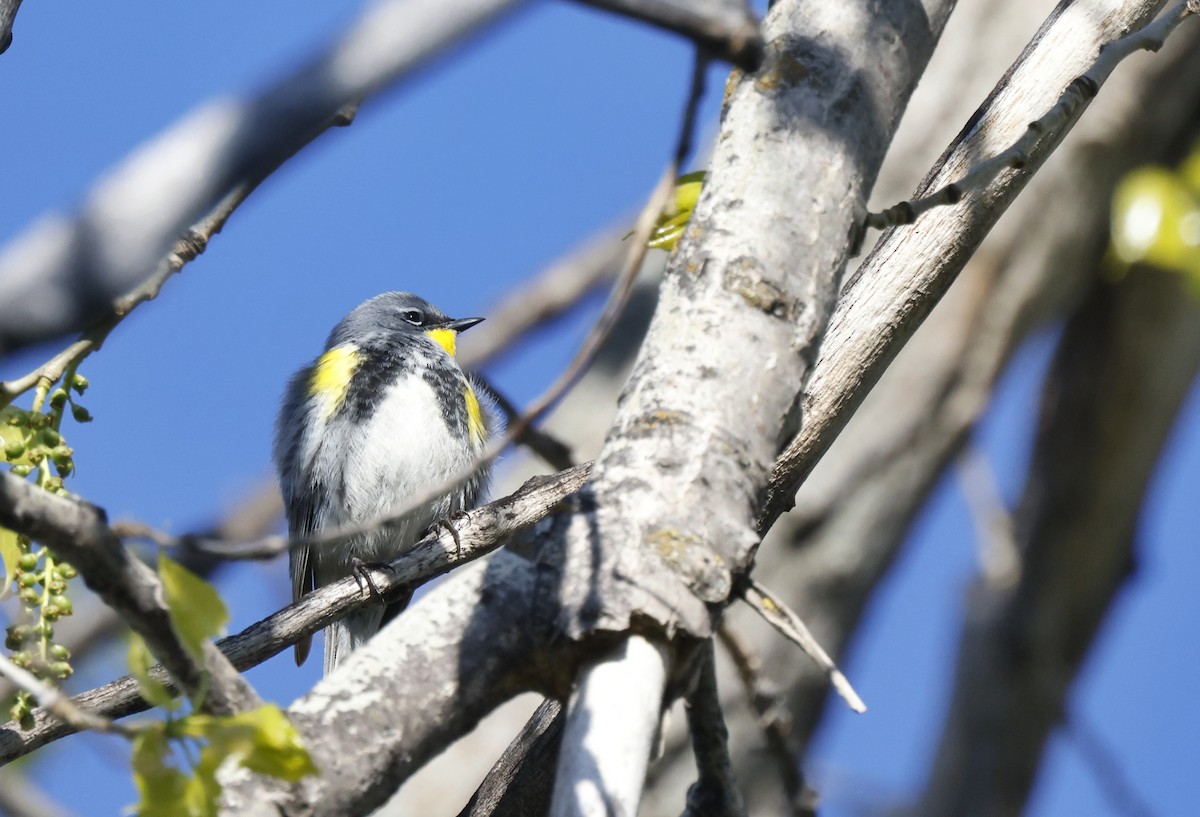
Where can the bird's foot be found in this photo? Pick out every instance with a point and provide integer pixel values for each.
(361, 571)
(448, 524)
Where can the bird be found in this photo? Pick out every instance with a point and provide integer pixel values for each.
(381, 416)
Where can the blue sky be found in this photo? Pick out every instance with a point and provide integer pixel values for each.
(458, 185)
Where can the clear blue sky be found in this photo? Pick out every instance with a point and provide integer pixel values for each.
(459, 185)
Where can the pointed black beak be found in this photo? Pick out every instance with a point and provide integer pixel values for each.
(462, 324)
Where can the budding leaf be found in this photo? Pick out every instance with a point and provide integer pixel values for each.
(197, 611)
(10, 553)
(162, 789)
(140, 661)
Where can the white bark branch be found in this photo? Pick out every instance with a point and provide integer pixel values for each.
(909, 270)
(612, 722)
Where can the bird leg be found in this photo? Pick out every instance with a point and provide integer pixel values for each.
(448, 524)
(361, 570)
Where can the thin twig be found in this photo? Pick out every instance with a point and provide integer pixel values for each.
(715, 792)
(553, 291)
(999, 554)
(79, 532)
(479, 533)
(19, 797)
(270, 547)
(727, 28)
(59, 704)
(553, 451)
(1047, 129)
(1108, 772)
(74, 265)
(774, 719)
(789, 624)
(193, 243)
(95, 623)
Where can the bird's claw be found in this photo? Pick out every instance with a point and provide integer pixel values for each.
(361, 571)
(448, 524)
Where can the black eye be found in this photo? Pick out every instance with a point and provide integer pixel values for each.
(413, 316)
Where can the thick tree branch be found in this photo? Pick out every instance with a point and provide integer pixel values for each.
(472, 643)
(909, 270)
(79, 533)
(193, 244)
(95, 623)
(853, 512)
(1053, 124)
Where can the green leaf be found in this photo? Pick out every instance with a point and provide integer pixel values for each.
(10, 552)
(140, 661)
(162, 790)
(672, 221)
(204, 792)
(197, 611)
(263, 740)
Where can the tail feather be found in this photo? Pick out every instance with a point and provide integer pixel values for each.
(345, 636)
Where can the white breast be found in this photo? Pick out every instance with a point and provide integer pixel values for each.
(403, 451)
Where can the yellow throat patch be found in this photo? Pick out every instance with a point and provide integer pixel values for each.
(446, 338)
(331, 375)
(475, 425)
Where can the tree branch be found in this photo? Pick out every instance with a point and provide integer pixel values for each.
(1051, 126)
(774, 719)
(522, 780)
(480, 532)
(57, 703)
(909, 270)
(8, 15)
(1122, 369)
(853, 512)
(791, 626)
(78, 532)
(193, 244)
(64, 271)
(726, 28)
(715, 792)
(612, 722)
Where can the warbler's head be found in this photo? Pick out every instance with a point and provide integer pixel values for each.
(402, 313)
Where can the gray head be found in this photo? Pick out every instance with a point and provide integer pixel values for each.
(390, 313)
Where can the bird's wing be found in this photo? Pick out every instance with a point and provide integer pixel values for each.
(302, 522)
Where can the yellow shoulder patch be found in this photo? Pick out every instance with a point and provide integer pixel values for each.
(331, 377)
(446, 338)
(475, 426)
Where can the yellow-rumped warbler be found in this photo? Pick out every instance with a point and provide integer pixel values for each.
(384, 414)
